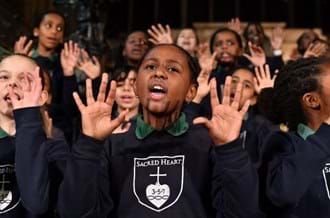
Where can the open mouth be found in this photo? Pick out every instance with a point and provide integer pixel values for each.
(126, 98)
(157, 91)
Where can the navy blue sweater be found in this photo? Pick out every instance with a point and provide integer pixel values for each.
(295, 175)
(159, 176)
(30, 169)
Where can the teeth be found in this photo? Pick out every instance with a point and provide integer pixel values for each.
(158, 87)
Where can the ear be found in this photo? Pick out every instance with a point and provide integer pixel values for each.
(124, 53)
(191, 93)
(36, 32)
(311, 100)
(43, 97)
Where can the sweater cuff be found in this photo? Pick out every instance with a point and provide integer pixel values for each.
(231, 154)
(87, 147)
(25, 116)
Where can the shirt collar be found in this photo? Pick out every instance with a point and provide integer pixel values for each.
(304, 131)
(3, 134)
(178, 128)
(35, 54)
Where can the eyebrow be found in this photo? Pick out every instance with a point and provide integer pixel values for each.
(4, 71)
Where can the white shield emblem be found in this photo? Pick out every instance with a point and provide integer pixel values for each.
(9, 195)
(158, 181)
(326, 176)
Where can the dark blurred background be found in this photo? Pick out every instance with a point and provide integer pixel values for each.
(106, 19)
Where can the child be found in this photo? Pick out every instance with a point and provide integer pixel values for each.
(295, 171)
(49, 31)
(26, 187)
(125, 99)
(163, 166)
(188, 40)
(136, 44)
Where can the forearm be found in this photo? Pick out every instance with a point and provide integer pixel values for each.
(33, 155)
(235, 182)
(85, 188)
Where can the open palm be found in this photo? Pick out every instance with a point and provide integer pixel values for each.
(96, 115)
(226, 121)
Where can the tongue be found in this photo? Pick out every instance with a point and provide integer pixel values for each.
(156, 95)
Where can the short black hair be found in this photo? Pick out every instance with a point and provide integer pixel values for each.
(38, 19)
(121, 73)
(283, 102)
(221, 30)
(192, 63)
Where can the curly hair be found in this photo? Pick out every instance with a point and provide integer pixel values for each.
(282, 104)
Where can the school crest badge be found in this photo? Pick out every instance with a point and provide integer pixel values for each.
(9, 195)
(326, 177)
(158, 181)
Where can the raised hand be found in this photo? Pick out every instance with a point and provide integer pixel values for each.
(160, 35)
(203, 85)
(226, 121)
(90, 66)
(22, 46)
(277, 38)
(96, 115)
(316, 50)
(31, 88)
(205, 59)
(235, 25)
(257, 57)
(263, 78)
(69, 57)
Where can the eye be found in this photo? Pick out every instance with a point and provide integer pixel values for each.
(48, 25)
(151, 67)
(59, 29)
(120, 83)
(3, 77)
(235, 80)
(131, 82)
(172, 69)
(230, 43)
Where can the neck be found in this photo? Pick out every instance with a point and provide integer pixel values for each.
(160, 121)
(131, 112)
(315, 121)
(8, 124)
(45, 52)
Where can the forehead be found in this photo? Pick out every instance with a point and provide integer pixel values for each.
(225, 36)
(53, 17)
(17, 64)
(136, 35)
(244, 74)
(167, 53)
(187, 32)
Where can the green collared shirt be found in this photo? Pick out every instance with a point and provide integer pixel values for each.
(178, 128)
(3, 134)
(35, 54)
(304, 131)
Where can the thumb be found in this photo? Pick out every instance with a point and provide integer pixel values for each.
(119, 120)
(202, 120)
(247, 57)
(13, 98)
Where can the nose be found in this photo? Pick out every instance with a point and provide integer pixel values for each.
(12, 84)
(127, 86)
(160, 73)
